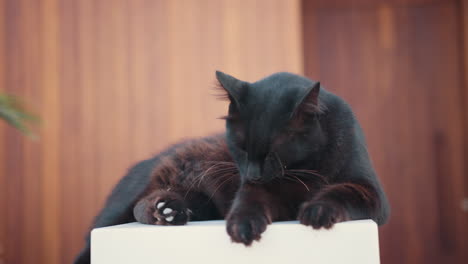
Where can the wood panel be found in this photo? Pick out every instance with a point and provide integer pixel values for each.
(115, 82)
(3, 181)
(464, 32)
(398, 64)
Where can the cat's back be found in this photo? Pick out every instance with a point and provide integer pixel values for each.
(341, 124)
(191, 156)
(211, 147)
(335, 108)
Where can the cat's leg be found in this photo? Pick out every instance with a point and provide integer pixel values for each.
(252, 210)
(340, 202)
(175, 206)
(162, 207)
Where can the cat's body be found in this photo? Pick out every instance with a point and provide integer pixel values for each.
(311, 164)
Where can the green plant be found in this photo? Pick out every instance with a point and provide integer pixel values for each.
(13, 112)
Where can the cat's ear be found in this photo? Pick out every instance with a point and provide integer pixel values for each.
(309, 103)
(230, 85)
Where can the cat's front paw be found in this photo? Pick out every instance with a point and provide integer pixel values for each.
(162, 210)
(320, 214)
(245, 227)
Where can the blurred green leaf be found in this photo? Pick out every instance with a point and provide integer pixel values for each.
(13, 112)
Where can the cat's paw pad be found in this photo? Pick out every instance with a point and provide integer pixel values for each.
(245, 228)
(320, 214)
(170, 212)
(162, 209)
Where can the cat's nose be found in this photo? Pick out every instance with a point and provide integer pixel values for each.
(254, 171)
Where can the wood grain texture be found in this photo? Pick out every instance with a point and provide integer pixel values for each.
(398, 64)
(115, 82)
(50, 129)
(3, 178)
(369, 3)
(463, 19)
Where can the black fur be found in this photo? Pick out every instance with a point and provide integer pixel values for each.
(292, 150)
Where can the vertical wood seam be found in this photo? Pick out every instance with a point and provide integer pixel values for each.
(50, 131)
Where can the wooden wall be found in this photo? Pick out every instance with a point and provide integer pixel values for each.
(400, 65)
(114, 82)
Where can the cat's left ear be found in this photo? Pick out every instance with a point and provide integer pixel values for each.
(231, 85)
(309, 103)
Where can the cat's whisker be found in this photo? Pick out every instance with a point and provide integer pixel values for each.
(315, 180)
(223, 175)
(309, 173)
(302, 183)
(229, 163)
(221, 170)
(281, 164)
(298, 180)
(192, 184)
(211, 171)
(306, 171)
(223, 179)
(220, 173)
(289, 177)
(202, 176)
(199, 179)
(223, 165)
(219, 186)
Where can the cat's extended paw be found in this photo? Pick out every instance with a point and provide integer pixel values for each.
(320, 214)
(246, 227)
(162, 210)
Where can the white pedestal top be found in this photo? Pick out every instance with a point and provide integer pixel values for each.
(208, 243)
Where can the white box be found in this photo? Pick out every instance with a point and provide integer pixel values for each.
(208, 243)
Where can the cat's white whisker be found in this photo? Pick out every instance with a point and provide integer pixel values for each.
(298, 180)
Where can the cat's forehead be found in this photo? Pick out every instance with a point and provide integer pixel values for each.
(282, 81)
(277, 91)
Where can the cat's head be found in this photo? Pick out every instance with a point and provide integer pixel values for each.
(272, 124)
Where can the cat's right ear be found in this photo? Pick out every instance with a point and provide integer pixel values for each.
(231, 86)
(308, 104)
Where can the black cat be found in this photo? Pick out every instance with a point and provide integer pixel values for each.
(291, 150)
